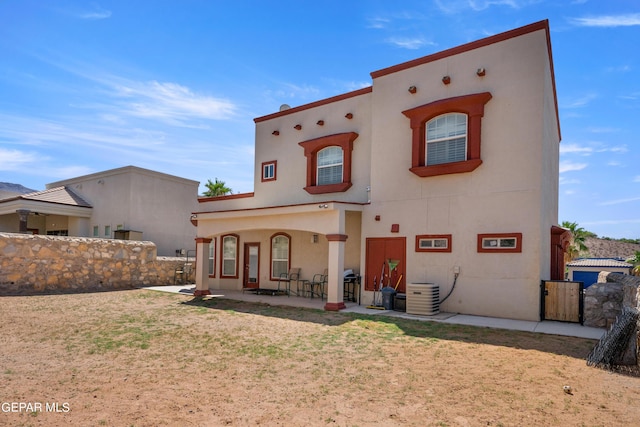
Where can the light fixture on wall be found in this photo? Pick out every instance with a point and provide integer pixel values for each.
(413, 89)
(446, 80)
(481, 72)
(349, 116)
(101, 181)
(314, 238)
(275, 133)
(320, 123)
(323, 206)
(297, 127)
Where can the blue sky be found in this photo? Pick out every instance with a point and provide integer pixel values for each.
(173, 86)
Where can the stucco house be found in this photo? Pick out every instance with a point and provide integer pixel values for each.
(128, 202)
(446, 164)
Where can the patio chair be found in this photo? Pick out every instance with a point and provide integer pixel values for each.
(318, 284)
(285, 280)
(182, 273)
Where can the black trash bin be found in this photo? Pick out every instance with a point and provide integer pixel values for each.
(388, 294)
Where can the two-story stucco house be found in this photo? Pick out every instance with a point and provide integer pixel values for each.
(128, 202)
(447, 165)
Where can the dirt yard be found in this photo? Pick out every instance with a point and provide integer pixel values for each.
(144, 358)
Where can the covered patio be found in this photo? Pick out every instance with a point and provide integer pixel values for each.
(321, 237)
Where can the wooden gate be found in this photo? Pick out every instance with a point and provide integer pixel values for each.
(562, 300)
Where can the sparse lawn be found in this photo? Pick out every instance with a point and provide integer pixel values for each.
(143, 358)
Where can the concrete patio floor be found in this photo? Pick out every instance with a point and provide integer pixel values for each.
(544, 327)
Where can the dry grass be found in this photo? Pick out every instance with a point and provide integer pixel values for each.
(143, 358)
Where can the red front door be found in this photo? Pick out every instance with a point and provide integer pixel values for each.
(386, 259)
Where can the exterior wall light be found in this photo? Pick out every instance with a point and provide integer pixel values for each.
(297, 127)
(413, 89)
(349, 116)
(275, 133)
(320, 123)
(481, 72)
(446, 80)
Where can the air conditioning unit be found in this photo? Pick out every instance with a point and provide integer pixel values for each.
(423, 299)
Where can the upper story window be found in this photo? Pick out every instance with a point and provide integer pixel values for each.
(446, 135)
(329, 163)
(446, 139)
(269, 170)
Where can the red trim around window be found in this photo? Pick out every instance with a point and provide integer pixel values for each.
(271, 253)
(516, 249)
(473, 107)
(222, 275)
(311, 148)
(446, 237)
(275, 170)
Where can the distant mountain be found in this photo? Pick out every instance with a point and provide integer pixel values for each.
(15, 188)
(605, 248)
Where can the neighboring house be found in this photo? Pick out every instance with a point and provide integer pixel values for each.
(128, 203)
(586, 270)
(447, 164)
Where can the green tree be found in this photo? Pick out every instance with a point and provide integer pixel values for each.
(577, 247)
(635, 260)
(215, 189)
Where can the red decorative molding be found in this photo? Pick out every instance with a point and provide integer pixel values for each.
(206, 240)
(311, 148)
(473, 107)
(315, 104)
(334, 306)
(229, 197)
(337, 237)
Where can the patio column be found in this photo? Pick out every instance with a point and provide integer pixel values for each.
(335, 282)
(202, 266)
(23, 215)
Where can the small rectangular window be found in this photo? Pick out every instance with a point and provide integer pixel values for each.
(433, 243)
(501, 242)
(269, 170)
(96, 231)
(107, 231)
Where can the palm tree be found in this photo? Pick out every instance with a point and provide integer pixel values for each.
(577, 246)
(635, 260)
(215, 189)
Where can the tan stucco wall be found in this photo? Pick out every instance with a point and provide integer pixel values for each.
(514, 190)
(157, 204)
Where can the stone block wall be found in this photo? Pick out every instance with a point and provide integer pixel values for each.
(603, 302)
(41, 264)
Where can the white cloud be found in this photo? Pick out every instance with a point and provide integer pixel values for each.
(171, 101)
(620, 201)
(565, 181)
(579, 102)
(456, 6)
(14, 160)
(378, 23)
(96, 14)
(629, 20)
(575, 148)
(637, 178)
(409, 43)
(571, 166)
